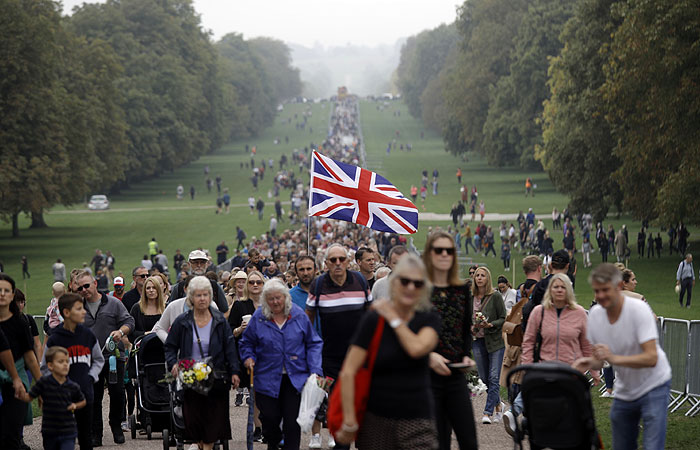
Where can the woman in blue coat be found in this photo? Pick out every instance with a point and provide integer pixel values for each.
(284, 348)
(203, 332)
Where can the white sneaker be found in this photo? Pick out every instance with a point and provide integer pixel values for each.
(194, 447)
(509, 422)
(497, 416)
(486, 420)
(607, 394)
(315, 441)
(125, 426)
(331, 442)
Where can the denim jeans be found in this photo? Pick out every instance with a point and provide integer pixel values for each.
(651, 408)
(489, 367)
(58, 441)
(609, 375)
(517, 406)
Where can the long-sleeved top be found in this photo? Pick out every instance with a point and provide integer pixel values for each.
(110, 315)
(222, 347)
(295, 348)
(172, 311)
(563, 336)
(685, 270)
(84, 353)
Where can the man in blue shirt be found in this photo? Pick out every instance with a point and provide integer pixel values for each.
(305, 268)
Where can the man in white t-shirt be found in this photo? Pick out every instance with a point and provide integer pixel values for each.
(623, 332)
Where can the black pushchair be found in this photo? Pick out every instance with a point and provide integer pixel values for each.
(152, 396)
(558, 412)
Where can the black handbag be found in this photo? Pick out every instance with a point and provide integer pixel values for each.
(538, 340)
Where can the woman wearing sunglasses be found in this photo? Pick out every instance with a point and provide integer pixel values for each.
(452, 299)
(400, 411)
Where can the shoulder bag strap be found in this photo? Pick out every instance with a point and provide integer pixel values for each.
(199, 341)
(374, 345)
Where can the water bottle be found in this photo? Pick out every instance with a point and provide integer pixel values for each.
(113, 369)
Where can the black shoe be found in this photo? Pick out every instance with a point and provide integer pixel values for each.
(118, 436)
(239, 400)
(96, 442)
(257, 435)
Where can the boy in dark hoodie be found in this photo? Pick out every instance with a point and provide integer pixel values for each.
(86, 360)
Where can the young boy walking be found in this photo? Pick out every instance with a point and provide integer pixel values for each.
(61, 398)
(86, 359)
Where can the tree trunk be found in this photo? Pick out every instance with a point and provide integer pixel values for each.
(38, 220)
(15, 225)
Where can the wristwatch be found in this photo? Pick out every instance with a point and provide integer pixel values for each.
(395, 323)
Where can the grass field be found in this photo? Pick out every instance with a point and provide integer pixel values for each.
(150, 209)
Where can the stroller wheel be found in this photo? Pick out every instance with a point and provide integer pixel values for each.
(166, 439)
(148, 431)
(132, 425)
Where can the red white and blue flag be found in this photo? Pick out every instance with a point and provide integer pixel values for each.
(346, 192)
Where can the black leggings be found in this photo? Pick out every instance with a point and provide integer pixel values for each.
(453, 411)
(13, 412)
(274, 410)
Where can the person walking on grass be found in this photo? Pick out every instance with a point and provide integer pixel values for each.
(623, 332)
(685, 278)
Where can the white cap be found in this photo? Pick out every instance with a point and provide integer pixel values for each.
(119, 281)
(197, 254)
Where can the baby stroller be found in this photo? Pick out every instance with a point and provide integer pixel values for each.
(152, 397)
(558, 412)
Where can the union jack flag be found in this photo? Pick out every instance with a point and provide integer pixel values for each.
(353, 194)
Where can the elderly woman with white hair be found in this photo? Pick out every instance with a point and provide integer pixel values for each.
(202, 332)
(281, 344)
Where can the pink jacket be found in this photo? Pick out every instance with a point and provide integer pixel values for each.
(563, 338)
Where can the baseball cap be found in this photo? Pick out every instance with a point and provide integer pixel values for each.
(119, 281)
(197, 254)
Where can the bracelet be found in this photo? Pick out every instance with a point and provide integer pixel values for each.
(120, 330)
(349, 429)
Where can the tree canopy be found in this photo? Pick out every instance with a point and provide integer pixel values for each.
(120, 91)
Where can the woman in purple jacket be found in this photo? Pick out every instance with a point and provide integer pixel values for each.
(284, 348)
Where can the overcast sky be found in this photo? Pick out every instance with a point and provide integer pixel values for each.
(327, 22)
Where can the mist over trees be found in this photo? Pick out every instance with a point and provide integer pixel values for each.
(364, 70)
(601, 94)
(121, 91)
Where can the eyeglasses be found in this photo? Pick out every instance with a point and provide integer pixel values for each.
(337, 259)
(440, 250)
(85, 286)
(406, 281)
(143, 275)
(260, 282)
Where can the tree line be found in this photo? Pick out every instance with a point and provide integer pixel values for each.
(601, 94)
(119, 92)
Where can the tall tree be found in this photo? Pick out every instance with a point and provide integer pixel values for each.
(487, 29)
(276, 61)
(653, 101)
(513, 126)
(577, 150)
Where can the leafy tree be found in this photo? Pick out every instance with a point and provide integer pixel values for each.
(512, 128)
(487, 29)
(577, 150)
(653, 104)
(276, 61)
(422, 58)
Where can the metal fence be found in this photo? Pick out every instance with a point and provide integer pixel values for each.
(675, 345)
(693, 391)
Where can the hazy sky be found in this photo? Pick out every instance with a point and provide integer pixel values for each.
(328, 22)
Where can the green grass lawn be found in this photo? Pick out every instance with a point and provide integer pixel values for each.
(150, 209)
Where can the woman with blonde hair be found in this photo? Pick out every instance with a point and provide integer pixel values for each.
(400, 410)
(452, 300)
(489, 315)
(562, 323)
(150, 307)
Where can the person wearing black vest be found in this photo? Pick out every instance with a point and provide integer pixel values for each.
(199, 261)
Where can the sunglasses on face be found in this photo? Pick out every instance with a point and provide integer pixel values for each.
(145, 275)
(256, 282)
(337, 259)
(406, 281)
(440, 250)
(85, 286)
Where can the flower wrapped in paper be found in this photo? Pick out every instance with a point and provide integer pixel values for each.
(195, 375)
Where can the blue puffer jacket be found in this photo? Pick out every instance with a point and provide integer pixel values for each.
(296, 346)
(222, 347)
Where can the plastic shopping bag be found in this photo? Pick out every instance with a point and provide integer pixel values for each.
(311, 397)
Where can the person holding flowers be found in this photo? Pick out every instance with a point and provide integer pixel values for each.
(200, 349)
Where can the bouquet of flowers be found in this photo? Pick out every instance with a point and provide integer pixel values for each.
(480, 318)
(195, 375)
(475, 385)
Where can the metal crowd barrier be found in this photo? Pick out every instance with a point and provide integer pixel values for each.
(693, 365)
(675, 345)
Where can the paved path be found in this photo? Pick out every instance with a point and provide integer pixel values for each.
(491, 437)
